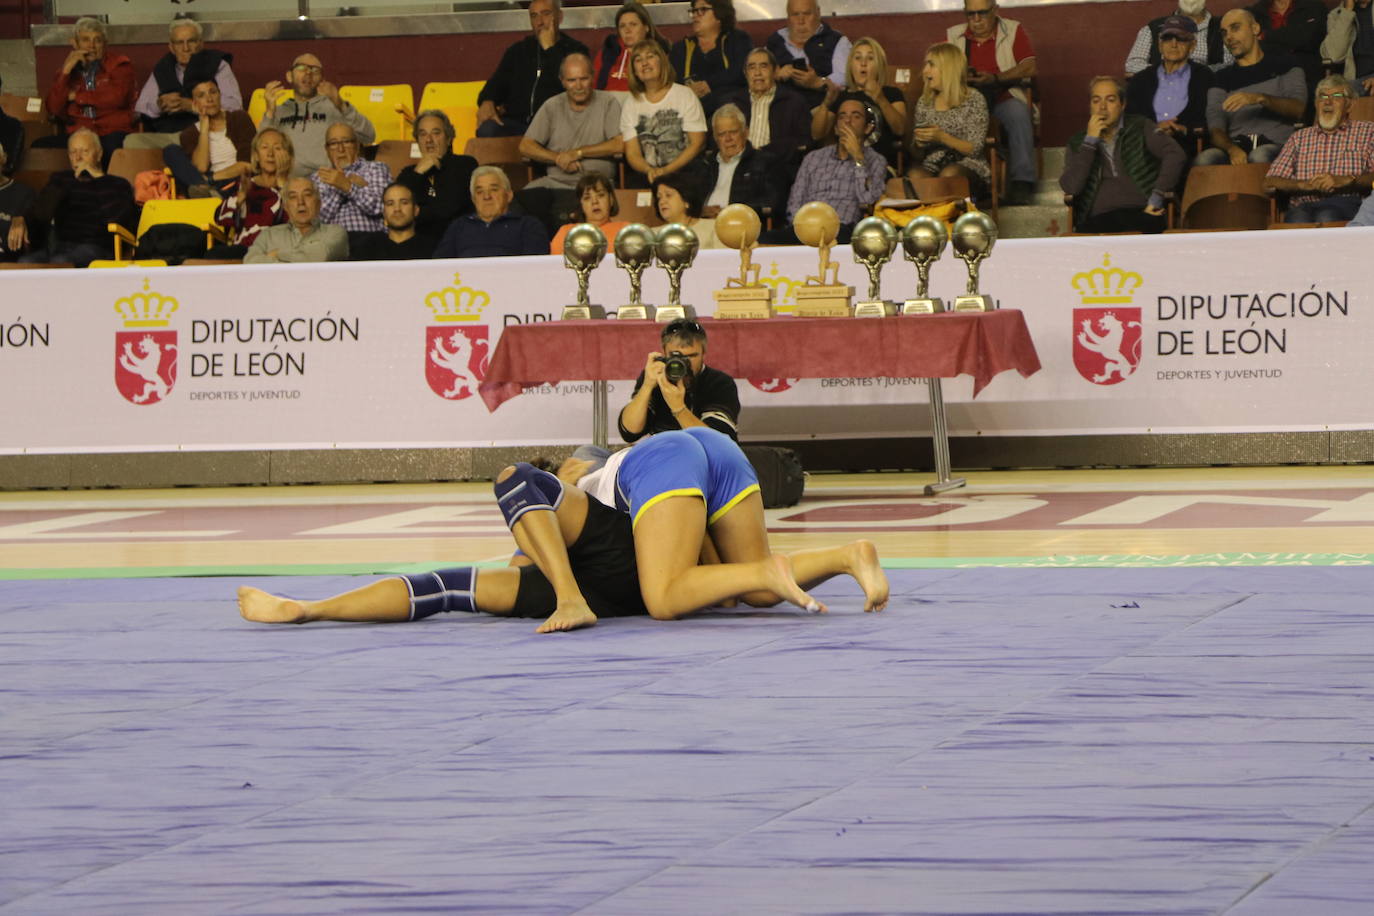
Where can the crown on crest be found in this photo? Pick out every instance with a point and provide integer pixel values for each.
(1106, 284)
(457, 303)
(786, 287)
(146, 309)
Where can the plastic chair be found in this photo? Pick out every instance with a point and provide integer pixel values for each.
(257, 103)
(636, 206)
(29, 111)
(1362, 109)
(127, 163)
(503, 152)
(1227, 197)
(45, 160)
(397, 154)
(151, 262)
(389, 108)
(199, 213)
(928, 190)
(459, 102)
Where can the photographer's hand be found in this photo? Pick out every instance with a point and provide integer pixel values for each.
(675, 396)
(635, 415)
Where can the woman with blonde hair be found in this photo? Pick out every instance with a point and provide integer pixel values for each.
(866, 80)
(662, 121)
(950, 123)
(257, 203)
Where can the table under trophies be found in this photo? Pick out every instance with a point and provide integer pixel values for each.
(583, 250)
(974, 235)
(738, 226)
(818, 225)
(923, 241)
(634, 252)
(676, 249)
(873, 241)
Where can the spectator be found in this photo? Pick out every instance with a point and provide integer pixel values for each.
(1296, 28)
(1325, 167)
(527, 75)
(740, 174)
(492, 231)
(710, 61)
(712, 397)
(1252, 106)
(93, 89)
(678, 199)
(596, 205)
(661, 122)
(1000, 56)
(1173, 92)
(303, 238)
(866, 79)
(1208, 49)
(79, 204)
(951, 122)
(165, 104)
(401, 241)
(307, 117)
(11, 140)
(1350, 42)
(612, 64)
(1120, 168)
(16, 201)
(257, 202)
(776, 116)
(351, 188)
(215, 152)
(812, 57)
(439, 181)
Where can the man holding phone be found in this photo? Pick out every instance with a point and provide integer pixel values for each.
(811, 55)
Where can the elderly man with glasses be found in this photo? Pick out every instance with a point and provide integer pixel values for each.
(307, 117)
(1326, 166)
(702, 397)
(165, 104)
(351, 187)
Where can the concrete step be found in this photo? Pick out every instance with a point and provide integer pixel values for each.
(17, 67)
(1032, 222)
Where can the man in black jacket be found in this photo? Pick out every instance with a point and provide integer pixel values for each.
(527, 76)
(439, 181)
(740, 174)
(710, 398)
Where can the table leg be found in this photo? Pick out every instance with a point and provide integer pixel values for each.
(940, 441)
(600, 436)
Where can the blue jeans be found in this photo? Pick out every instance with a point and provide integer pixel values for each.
(1213, 155)
(1327, 210)
(511, 127)
(1015, 117)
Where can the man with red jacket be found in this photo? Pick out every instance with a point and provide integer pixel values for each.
(93, 89)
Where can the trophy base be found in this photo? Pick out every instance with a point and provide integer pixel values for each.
(744, 302)
(824, 302)
(674, 312)
(923, 306)
(572, 312)
(875, 308)
(979, 303)
(635, 313)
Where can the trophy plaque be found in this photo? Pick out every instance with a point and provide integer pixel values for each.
(583, 250)
(923, 241)
(738, 227)
(873, 242)
(974, 235)
(676, 250)
(634, 252)
(817, 224)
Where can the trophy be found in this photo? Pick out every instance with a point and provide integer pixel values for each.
(738, 227)
(583, 250)
(974, 235)
(923, 241)
(873, 242)
(676, 250)
(817, 224)
(634, 252)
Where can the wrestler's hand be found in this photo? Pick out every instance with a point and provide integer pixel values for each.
(572, 470)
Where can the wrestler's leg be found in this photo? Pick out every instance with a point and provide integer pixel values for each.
(544, 536)
(383, 601)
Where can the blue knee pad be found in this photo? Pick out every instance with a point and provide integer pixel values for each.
(526, 490)
(443, 590)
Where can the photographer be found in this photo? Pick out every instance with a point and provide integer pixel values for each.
(702, 397)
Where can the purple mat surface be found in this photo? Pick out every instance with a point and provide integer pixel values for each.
(1095, 741)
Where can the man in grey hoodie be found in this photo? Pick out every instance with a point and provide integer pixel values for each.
(307, 117)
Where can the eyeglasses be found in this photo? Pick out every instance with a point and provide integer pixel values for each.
(1332, 96)
(974, 14)
(308, 68)
(700, 10)
(341, 142)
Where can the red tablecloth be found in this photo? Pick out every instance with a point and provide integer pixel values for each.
(980, 344)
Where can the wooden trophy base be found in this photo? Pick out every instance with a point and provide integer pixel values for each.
(875, 308)
(979, 303)
(636, 313)
(824, 302)
(572, 312)
(667, 313)
(923, 306)
(744, 302)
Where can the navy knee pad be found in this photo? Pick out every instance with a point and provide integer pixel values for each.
(527, 489)
(442, 591)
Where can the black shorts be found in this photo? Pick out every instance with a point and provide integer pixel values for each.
(603, 563)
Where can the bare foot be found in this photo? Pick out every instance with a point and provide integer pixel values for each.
(256, 604)
(783, 583)
(862, 558)
(568, 617)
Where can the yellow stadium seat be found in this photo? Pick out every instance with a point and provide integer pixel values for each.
(459, 102)
(387, 107)
(147, 263)
(199, 212)
(257, 104)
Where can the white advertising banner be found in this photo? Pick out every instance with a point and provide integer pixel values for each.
(1216, 332)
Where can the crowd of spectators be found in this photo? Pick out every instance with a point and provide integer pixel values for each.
(702, 122)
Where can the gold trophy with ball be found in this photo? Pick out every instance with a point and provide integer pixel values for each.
(974, 235)
(873, 242)
(676, 249)
(923, 241)
(738, 227)
(817, 224)
(583, 250)
(634, 252)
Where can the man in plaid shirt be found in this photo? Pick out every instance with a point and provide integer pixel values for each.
(351, 188)
(1324, 167)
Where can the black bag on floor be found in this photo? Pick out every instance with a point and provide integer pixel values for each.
(172, 242)
(781, 477)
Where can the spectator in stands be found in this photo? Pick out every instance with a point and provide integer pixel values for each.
(12, 140)
(1208, 50)
(1173, 92)
(1120, 168)
(492, 231)
(1256, 100)
(1296, 28)
(307, 117)
(303, 238)
(93, 89)
(215, 152)
(776, 116)
(439, 181)
(401, 241)
(1350, 42)
(79, 204)
(1325, 167)
(710, 61)
(712, 397)
(867, 81)
(612, 65)
(257, 201)
(527, 75)
(678, 198)
(165, 104)
(811, 56)
(1000, 57)
(848, 175)
(661, 122)
(951, 122)
(351, 188)
(596, 205)
(16, 200)
(740, 174)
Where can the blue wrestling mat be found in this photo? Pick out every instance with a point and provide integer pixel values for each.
(1094, 741)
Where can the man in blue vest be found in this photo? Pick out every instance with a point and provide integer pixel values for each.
(165, 102)
(811, 56)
